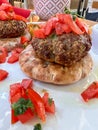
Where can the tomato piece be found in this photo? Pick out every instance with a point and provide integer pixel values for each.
(3, 15)
(6, 7)
(48, 103)
(24, 39)
(39, 33)
(90, 92)
(15, 55)
(69, 20)
(66, 28)
(27, 83)
(3, 74)
(81, 25)
(15, 98)
(59, 28)
(61, 17)
(3, 54)
(48, 28)
(50, 25)
(14, 118)
(19, 17)
(17, 50)
(38, 103)
(13, 58)
(26, 116)
(16, 92)
(15, 88)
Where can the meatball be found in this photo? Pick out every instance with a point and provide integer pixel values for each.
(12, 28)
(64, 49)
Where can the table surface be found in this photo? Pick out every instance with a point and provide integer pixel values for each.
(90, 23)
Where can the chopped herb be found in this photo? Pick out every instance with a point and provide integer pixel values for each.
(38, 127)
(53, 36)
(50, 100)
(74, 14)
(21, 106)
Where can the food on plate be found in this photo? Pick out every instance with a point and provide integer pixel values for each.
(26, 103)
(59, 51)
(3, 74)
(91, 92)
(65, 49)
(12, 27)
(14, 57)
(3, 54)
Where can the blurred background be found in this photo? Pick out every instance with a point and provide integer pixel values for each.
(86, 8)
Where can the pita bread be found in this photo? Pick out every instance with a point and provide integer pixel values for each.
(51, 72)
(11, 43)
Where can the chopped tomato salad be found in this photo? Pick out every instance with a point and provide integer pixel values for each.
(61, 23)
(26, 103)
(7, 13)
(91, 92)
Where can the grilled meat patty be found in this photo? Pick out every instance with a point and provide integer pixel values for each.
(65, 49)
(12, 28)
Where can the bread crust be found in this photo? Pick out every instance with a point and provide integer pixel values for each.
(51, 72)
(11, 43)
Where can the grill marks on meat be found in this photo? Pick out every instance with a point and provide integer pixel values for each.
(65, 49)
(12, 28)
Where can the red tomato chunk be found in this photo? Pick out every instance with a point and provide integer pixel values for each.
(3, 74)
(91, 92)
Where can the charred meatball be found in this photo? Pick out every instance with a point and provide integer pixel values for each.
(12, 28)
(64, 49)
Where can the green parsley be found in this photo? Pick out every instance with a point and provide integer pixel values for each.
(37, 127)
(74, 14)
(21, 106)
(50, 100)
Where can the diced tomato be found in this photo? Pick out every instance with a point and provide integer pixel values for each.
(38, 103)
(27, 83)
(15, 55)
(81, 25)
(26, 116)
(24, 39)
(48, 103)
(3, 54)
(50, 25)
(13, 58)
(17, 50)
(15, 88)
(61, 17)
(16, 97)
(48, 28)
(69, 20)
(59, 28)
(39, 33)
(6, 7)
(17, 91)
(90, 92)
(3, 74)
(19, 17)
(3, 15)
(66, 28)
(14, 118)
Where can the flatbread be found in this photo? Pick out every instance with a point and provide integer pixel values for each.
(51, 72)
(11, 43)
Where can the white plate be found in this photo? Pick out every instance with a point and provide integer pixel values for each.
(72, 113)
